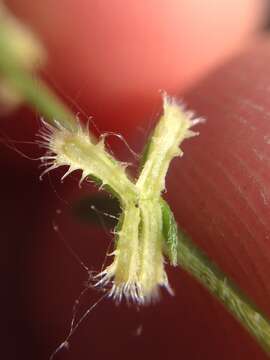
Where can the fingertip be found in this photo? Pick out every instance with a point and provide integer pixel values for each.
(113, 60)
(224, 197)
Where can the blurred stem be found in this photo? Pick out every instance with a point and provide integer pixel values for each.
(195, 262)
(33, 90)
(39, 96)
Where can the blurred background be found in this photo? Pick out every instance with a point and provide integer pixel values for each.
(108, 61)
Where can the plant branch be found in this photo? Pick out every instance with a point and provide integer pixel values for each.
(41, 98)
(32, 90)
(197, 264)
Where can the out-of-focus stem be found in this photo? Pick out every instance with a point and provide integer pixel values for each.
(15, 71)
(37, 94)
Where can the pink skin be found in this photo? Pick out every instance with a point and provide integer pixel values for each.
(110, 58)
(114, 65)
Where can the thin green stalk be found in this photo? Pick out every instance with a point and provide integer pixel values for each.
(33, 90)
(40, 97)
(197, 264)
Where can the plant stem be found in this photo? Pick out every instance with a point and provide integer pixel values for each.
(196, 263)
(34, 91)
(171, 130)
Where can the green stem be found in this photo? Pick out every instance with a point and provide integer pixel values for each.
(34, 91)
(195, 262)
(39, 96)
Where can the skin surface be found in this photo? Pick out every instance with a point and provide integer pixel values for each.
(109, 59)
(113, 66)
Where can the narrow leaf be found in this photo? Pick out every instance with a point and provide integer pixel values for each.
(170, 232)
